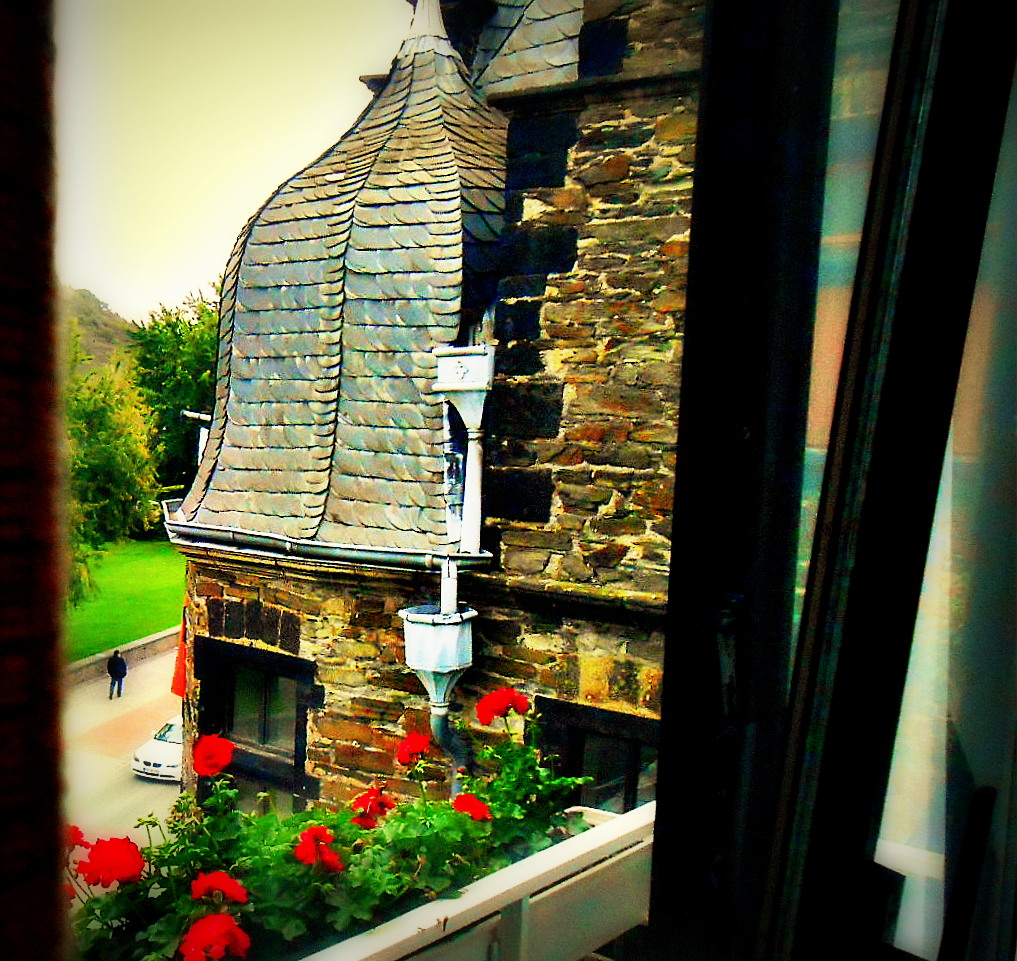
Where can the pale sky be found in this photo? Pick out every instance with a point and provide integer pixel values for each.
(176, 121)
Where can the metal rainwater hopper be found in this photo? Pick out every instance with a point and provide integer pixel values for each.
(437, 642)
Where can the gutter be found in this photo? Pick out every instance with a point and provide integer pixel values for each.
(188, 534)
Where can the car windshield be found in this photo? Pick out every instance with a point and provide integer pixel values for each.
(173, 733)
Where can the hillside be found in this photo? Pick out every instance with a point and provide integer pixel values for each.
(103, 334)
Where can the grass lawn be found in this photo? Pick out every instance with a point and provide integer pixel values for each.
(139, 591)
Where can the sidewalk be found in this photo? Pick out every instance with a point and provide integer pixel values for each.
(102, 795)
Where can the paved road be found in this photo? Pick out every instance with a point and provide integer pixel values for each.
(102, 796)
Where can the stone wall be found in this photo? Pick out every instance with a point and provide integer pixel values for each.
(583, 415)
(348, 627)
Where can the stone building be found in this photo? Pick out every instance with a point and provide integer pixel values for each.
(519, 187)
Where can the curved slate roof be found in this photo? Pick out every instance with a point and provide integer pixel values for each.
(529, 44)
(325, 429)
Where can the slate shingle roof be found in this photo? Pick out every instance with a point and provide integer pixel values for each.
(528, 44)
(325, 428)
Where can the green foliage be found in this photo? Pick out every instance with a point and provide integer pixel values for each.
(422, 849)
(112, 466)
(145, 919)
(175, 355)
(139, 588)
(524, 794)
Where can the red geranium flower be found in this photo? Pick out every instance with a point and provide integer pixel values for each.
(69, 891)
(212, 936)
(314, 848)
(498, 703)
(113, 859)
(75, 838)
(212, 754)
(206, 885)
(413, 748)
(472, 805)
(372, 804)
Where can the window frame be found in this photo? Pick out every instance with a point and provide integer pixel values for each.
(215, 664)
(773, 852)
(906, 338)
(565, 726)
(742, 428)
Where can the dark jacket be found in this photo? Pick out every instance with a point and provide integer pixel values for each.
(116, 667)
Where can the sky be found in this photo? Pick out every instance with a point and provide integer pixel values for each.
(176, 121)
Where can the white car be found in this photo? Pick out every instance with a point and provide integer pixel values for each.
(160, 758)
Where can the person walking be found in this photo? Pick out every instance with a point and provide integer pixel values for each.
(116, 668)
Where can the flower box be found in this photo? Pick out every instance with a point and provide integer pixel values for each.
(598, 880)
(216, 882)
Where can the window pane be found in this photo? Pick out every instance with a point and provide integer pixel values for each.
(956, 730)
(248, 698)
(864, 41)
(264, 709)
(280, 800)
(623, 771)
(280, 713)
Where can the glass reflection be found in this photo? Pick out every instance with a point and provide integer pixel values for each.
(956, 734)
(864, 42)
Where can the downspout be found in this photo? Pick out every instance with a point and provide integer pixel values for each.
(459, 749)
(439, 640)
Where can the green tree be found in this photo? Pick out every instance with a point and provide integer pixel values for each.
(174, 355)
(113, 486)
(112, 448)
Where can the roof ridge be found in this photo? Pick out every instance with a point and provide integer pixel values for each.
(427, 21)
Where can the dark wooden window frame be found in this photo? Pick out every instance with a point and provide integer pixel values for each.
(215, 663)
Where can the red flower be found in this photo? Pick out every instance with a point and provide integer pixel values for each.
(472, 805)
(75, 838)
(314, 848)
(372, 804)
(498, 703)
(413, 748)
(212, 754)
(212, 936)
(115, 859)
(206, 885)
(69, 891)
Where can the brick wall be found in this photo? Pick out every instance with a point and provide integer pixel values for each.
(583, 414)
(348, 626)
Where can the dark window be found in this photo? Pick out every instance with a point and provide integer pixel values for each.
(264, 712)
(259, 699)
(618, 751)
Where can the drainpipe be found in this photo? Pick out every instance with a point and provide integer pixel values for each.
(464, 380)
(439, 649)
(439, 638)
(204, 420)
(446, 736)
